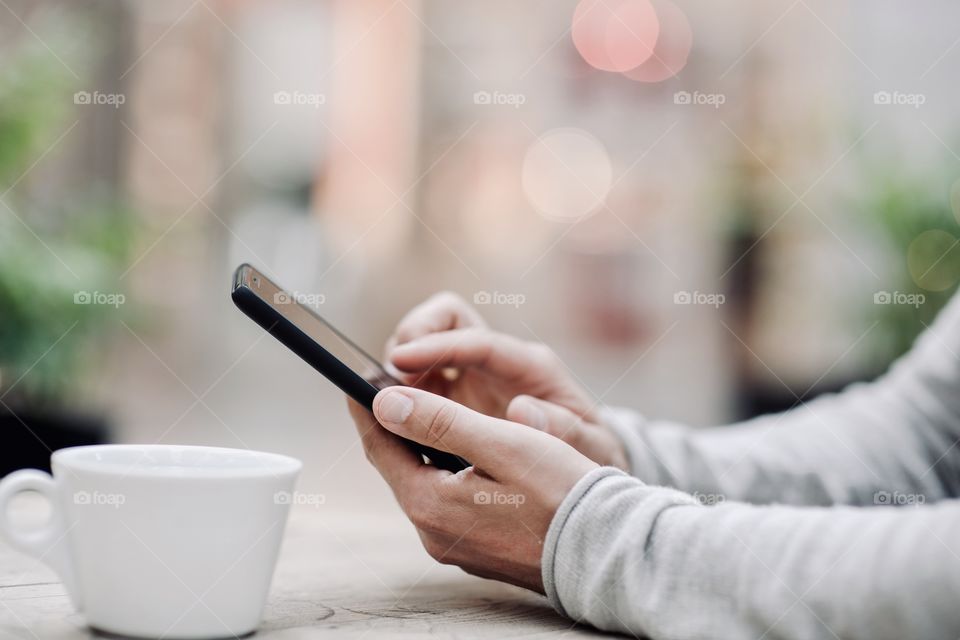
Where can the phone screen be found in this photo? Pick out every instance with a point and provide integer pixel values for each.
(322, 332)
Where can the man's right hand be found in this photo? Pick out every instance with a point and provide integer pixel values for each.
(444, 346)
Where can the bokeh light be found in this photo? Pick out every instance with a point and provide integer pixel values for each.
(566, 174)
(615, 35)
(672, 48)
(933, 258)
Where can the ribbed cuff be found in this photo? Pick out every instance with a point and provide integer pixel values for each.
(569, 503)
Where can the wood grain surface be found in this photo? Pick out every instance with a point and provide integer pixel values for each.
(340, 574)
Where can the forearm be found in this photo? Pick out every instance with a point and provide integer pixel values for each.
(894, 435)
(625, 556)
(839, 450)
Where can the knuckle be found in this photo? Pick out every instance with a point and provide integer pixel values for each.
(441, 422)
(417, 517)
(543, 355)
(423, 516)
(446, 556)
(434, 548)
(415, 511)
(407, 502)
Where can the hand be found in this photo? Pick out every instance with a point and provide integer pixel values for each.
(489, 519)
(444, 346)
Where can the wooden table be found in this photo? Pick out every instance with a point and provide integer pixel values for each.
(345, 575)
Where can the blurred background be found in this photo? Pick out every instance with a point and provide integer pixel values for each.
(709, 210)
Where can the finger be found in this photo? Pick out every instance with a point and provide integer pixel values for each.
(420, 379)
(399, 465)
(441, 312)
(582, 434)
(499, 354)
(496, 446)
(545, 416)
(388, 366)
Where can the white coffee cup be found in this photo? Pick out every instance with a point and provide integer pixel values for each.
(160, 540)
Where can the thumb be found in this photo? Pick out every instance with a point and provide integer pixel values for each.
(494, 445)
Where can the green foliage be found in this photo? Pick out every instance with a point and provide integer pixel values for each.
(905, 208)
(45, 335)
(47, 255)
(34, 96)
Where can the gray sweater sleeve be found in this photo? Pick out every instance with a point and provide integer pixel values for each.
(623, 554)
(886, 440)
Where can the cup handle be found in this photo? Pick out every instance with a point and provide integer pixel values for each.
(47, 542)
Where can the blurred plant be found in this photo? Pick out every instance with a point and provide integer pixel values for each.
(51, 319)
(32, 100)
(914, 215)
(50, 257)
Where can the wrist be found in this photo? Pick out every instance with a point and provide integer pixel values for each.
(601, 528)
(549, 561)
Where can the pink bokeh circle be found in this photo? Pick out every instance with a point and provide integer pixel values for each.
(672, 48)
(615, 35)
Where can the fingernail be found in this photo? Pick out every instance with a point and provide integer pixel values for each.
(395, 407)
(534, 417)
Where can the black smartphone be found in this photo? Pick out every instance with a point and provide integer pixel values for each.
(321, 346)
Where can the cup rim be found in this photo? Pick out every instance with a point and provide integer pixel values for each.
(80, 459)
